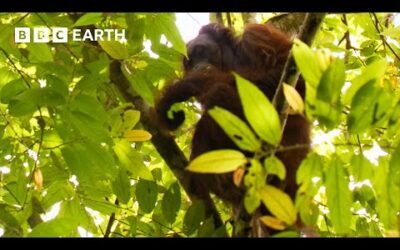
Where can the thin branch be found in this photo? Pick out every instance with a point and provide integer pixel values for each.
(290, 73)
(110, 222)
(376, 23)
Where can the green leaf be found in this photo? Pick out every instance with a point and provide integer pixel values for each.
(259, 111)
(54, 228)
(88, 19)
(90, 106)
(369, 108)
(76, 214)
(9, 221)
(121, 187)
(339, 197)
(193, 217)
(164, 23)
(39, 52)
(236, 129)
(115, 49)
(275, 166)
(293, 98)
(394, 167)
(89, 127)
(139, 83)
(307, 62)
(12, 89)
(310, 167)
(279, 204)
(373, 72)
(328, 106)
(362, 168)
(171, 202)
(252, 200)
(130, 119)
(217, 161)
(146, 195)
(131, 160)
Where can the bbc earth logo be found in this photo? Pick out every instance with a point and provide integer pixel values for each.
(63, 35)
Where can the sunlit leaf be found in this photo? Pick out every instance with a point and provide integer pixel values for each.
(293, 98)
(372, 72)
(259, 111)
(236, 129)
(275, 166)
(272, 222)
(89, 18)
(339, 196)
(217, 161)
(328, 106)
(115, 49)
(131, 160)
(137, 135)
(279, 204)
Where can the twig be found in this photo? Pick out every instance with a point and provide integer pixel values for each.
(376, 22)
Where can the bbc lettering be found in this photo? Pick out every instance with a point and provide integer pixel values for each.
(41, 35)
(60, 35)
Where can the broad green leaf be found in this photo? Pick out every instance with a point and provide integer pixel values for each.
(54, 228)
(272, 222)
(171, 202)
(328, 106)
(100, 205)
(137, 135)
(279, 204)
(131, 160)
(89, 127)
(9, 222)
(130, 119)
(121, 186)
(373, 72)
(139, 83)
(394, 166)
(370, 107)
(252, 200)
(193, 217)
(362, 168)
(12, 89)
(394, 182)
(236, 129)
(256, 175)
(74, 211)
(39, 52)
(7, 76)
(308, 209)
(310, 167)
(259, 111)
(217, 161)
(164, 23)
(293, 98)
(88, 19)
(308, 63)
(90, 106)
(146, 195)
(339, 197)
(115, 49)
(275, 166)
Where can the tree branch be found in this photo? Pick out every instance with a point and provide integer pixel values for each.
(290, 74)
